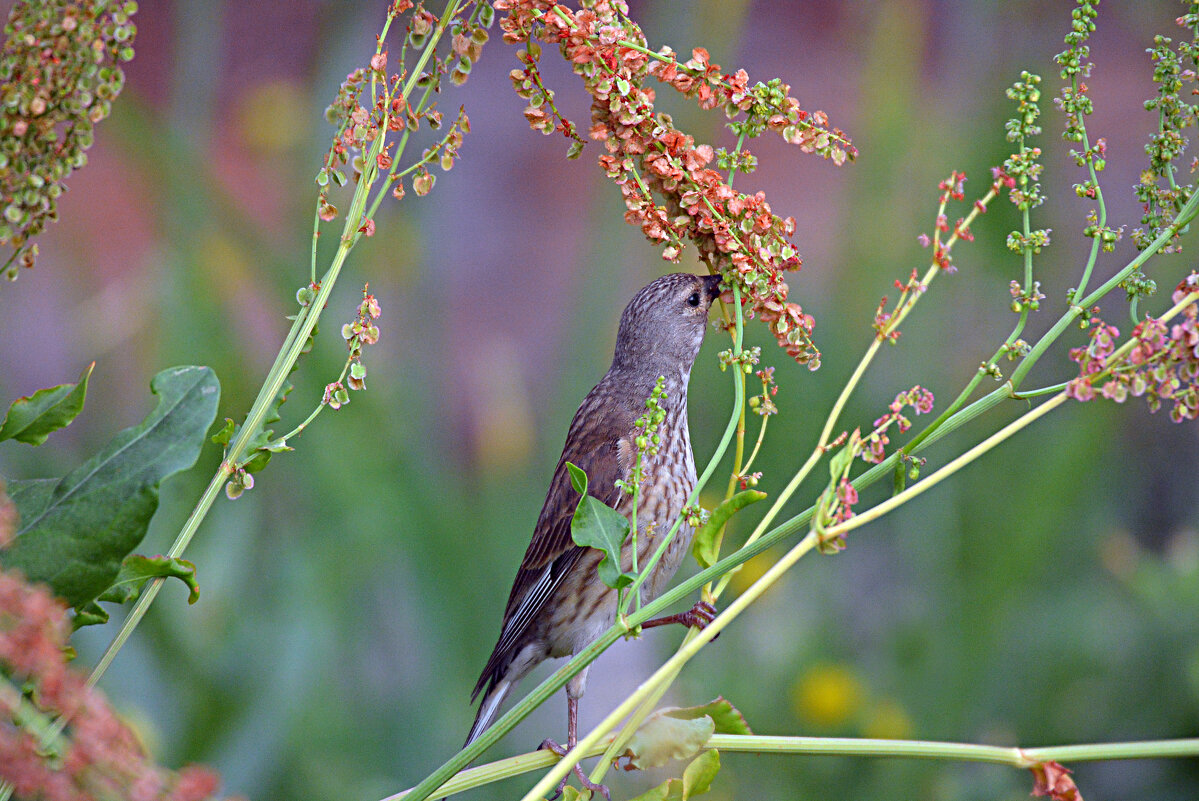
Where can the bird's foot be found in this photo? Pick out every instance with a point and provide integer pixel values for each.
(698, 616)
(550, 745)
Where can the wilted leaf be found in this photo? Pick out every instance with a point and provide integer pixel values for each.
(1054, 780)
(705, 547)
(597, 525)
(31, 420)
(76, 531)
(663, 737)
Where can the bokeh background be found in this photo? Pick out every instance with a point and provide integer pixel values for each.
(1048, 594)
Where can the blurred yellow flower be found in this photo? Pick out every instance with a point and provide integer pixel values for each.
(828, 695)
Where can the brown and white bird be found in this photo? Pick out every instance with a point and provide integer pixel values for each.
(558, 605)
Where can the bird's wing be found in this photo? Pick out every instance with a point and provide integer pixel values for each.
(598, 442)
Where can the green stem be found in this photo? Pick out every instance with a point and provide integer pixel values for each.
(558, 679)
(718, 454)
(297, 336)
(847, 746)
(1185, 215)
(670, 668)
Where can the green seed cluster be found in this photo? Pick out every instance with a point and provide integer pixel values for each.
(59, 73)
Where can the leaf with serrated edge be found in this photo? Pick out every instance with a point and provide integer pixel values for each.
(597, 525)
(727, 718)
(75, 536)
(31, 420)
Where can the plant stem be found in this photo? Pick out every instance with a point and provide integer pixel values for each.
(718, 454)
(670, 668)
(848, 746)
(285, 361)
(1185, 215)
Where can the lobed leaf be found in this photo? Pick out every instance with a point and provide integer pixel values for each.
(76, 531)
(32, 419)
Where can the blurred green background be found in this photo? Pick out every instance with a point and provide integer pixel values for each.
(1048, 594)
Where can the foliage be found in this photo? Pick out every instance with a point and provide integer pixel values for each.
(679, 192)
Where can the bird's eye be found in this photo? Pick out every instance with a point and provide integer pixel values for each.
(693, 300)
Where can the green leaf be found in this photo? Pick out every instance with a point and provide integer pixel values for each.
(75, 534)
(705, 546)
(578, 478)
(224, 435)
(726, 717)
(31, 495)
(90, 614)
(259, 449)
(136, 570)
(597, 525)
(699, 775)
(669, 790)
(664, 736)
(31, 420)
(259, 446)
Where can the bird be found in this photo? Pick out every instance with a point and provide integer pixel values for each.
(558, 605)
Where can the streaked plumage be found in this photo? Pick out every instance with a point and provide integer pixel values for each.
(558, 605)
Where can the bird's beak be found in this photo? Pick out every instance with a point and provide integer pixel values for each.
(712, 286)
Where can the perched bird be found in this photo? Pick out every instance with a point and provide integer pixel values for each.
(558, 605)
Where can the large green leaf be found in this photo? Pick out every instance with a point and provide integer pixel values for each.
(597, 525)
(31, 420)
(74, 535)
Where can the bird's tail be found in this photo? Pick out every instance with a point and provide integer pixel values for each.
(488, 710)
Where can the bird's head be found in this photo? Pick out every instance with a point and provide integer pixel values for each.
(664, 324)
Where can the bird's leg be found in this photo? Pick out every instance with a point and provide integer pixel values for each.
(572, 739)
(698, 616)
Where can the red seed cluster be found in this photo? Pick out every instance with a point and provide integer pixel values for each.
(60, 72)
(874, 444)
(1162, 365)
(670, 190)
(97, 756)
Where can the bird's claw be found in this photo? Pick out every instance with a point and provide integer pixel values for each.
(699, 616)
(550, 745)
